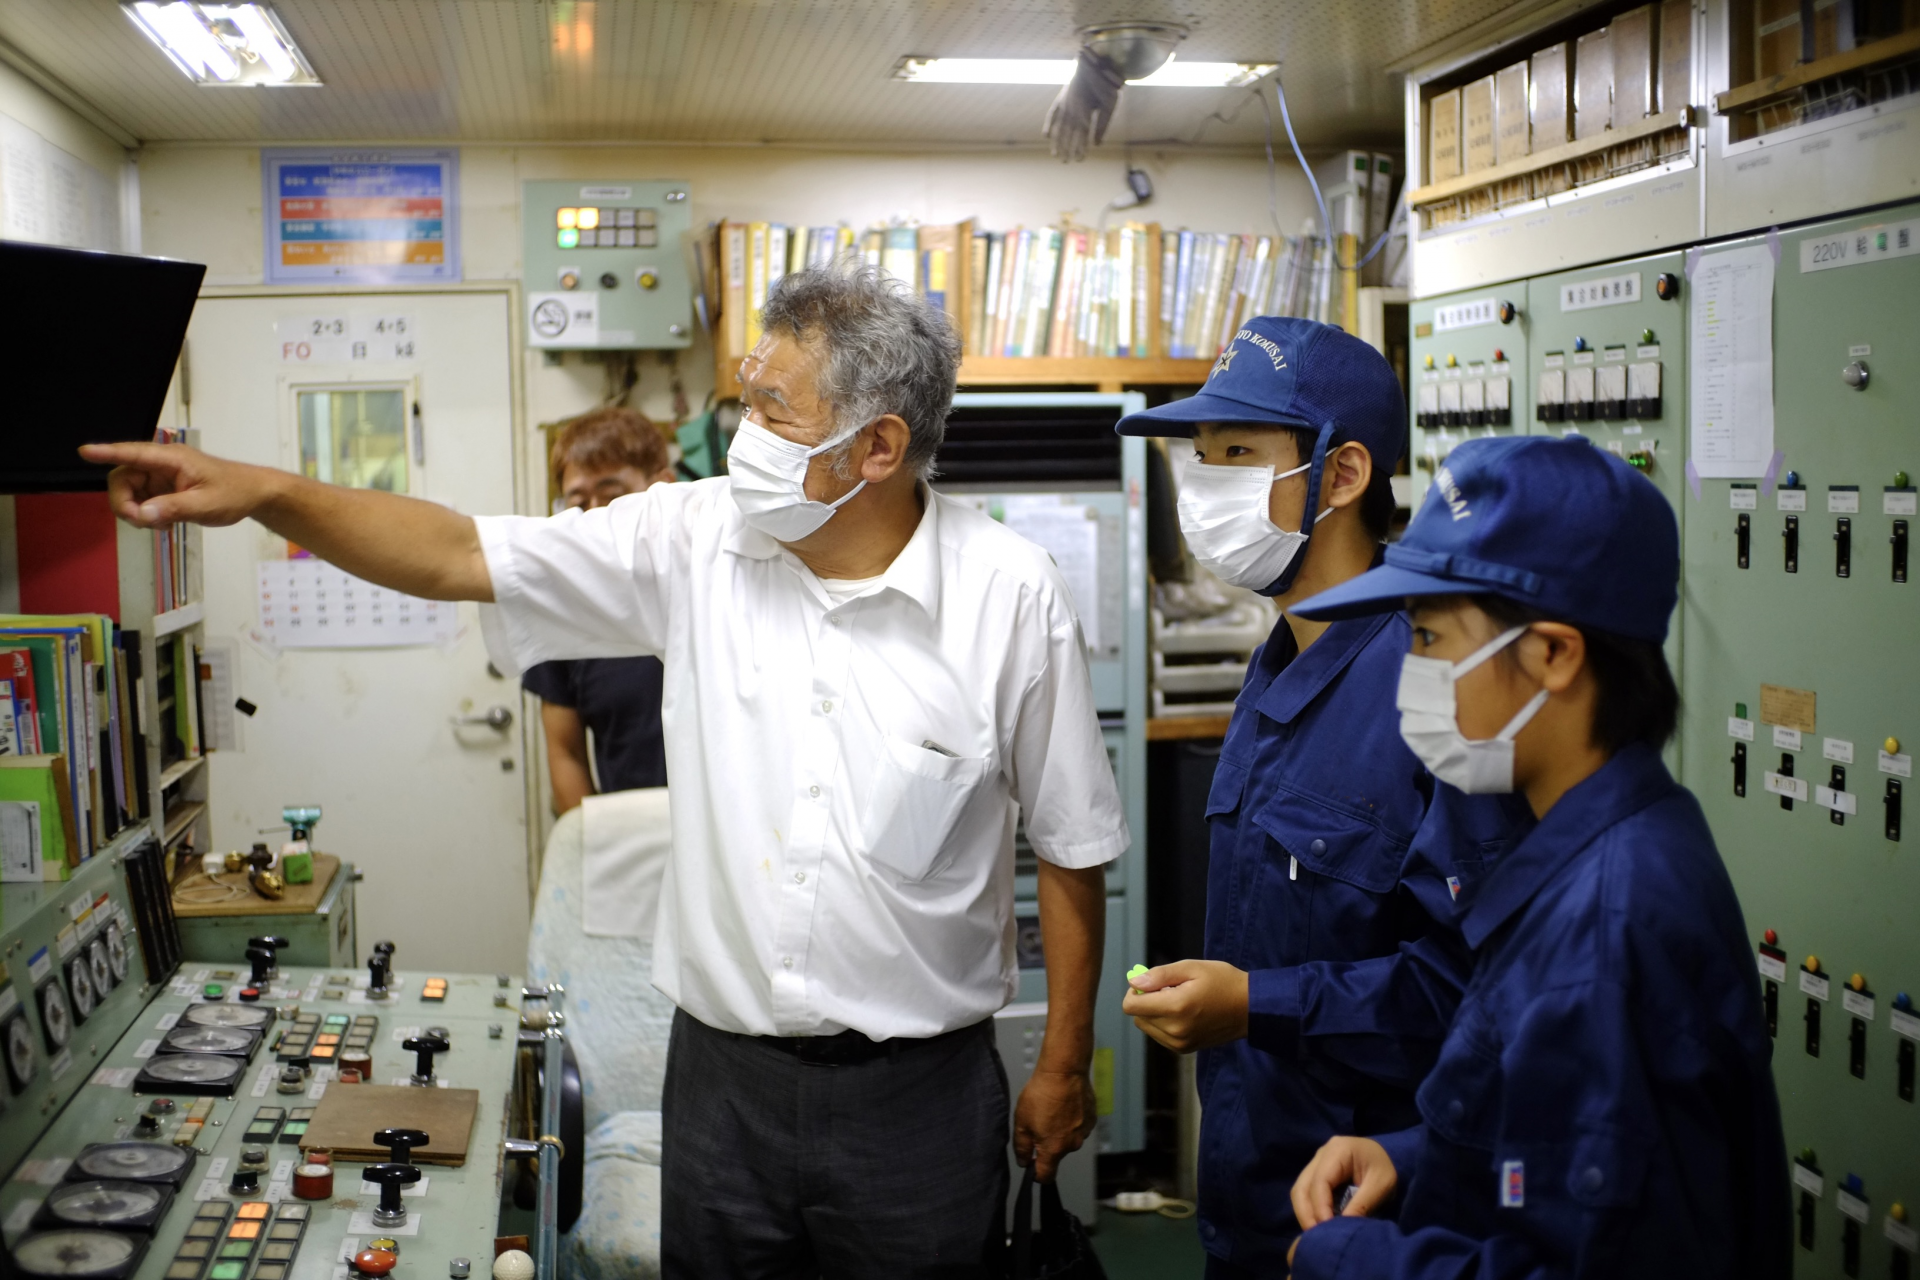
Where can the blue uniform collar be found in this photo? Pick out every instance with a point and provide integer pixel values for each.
(1626, 784)
(1296, 685)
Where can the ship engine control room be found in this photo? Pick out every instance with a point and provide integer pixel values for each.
(912, 640)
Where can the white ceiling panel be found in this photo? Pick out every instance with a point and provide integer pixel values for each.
(784, 71)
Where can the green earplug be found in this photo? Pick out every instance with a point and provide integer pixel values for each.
(1137, 972)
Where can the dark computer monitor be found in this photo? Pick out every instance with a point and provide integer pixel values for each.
(88, 343)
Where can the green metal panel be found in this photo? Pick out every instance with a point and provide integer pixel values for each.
(638, 290)
(1457, 340)
(1843, 892)
(323, 938)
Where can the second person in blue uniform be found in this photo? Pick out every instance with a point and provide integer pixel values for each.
(1315, 801)
(1604, 1105)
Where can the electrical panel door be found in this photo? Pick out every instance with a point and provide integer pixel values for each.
(1801, 706)
(1469, 362)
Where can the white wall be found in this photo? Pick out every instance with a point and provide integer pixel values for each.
(41, 139)
(204, 204)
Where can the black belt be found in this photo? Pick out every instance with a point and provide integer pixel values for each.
(850, 1047)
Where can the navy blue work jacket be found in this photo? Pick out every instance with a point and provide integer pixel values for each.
(1316, 888)
(1604, 1105)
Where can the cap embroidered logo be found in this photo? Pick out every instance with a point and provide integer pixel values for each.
(1225, 362)
(1443, 480)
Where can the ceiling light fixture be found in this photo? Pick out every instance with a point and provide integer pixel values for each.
(1057, 71)
(223, 44)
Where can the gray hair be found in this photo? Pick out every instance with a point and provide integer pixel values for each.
(883, 350)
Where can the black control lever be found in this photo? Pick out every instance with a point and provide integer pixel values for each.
(377, 976)
(271, 944)
(424, 1047)
(261, 958)
(391, 1178)
(400, 1143)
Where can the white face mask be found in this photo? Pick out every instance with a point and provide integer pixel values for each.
(1430, 726)
(1223, 513)
(769, 482)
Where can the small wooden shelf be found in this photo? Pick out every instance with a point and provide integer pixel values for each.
(187, 615)
(1103, 371)
(180, 819)
(1436, 192)
(1747, 96)
(1183, 728)
(178, 770)
(1107, 373)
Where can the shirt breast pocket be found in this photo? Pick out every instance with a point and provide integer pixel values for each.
(917, 799)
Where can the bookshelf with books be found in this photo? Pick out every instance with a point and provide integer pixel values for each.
(97, 740)
(1132, 305)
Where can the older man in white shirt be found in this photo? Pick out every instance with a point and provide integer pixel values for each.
(867, 686)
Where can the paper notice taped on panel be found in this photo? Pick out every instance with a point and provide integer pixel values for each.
(1732, 362)
(309, 604)
(1070, 532)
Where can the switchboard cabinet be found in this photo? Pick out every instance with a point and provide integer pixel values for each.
(1801, 705)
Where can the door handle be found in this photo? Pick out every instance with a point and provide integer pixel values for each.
(497, 718)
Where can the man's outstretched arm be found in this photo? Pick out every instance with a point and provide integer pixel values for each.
(407, 544)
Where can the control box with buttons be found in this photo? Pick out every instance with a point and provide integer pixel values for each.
(606, 265)
(1469, 354)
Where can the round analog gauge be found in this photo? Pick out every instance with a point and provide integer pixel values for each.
(21, 1059)
(196, 1068)
(117, 951)
(80, 979)
(97, 966)
(207, 1040)
(105, 1204)
(227, 1015)
(55, 1017)
(75, 1253)
(136, 1160)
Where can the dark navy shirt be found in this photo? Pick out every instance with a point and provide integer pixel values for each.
(1604, 1105)
(1317, 888)
(619, 700)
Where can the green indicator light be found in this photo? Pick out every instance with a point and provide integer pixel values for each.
(227, 1271)
(567, 238)
(213, 991)
(1880, 242)
(1740, 710)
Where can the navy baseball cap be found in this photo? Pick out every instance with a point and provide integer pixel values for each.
(1296, 373)
(1551, 523)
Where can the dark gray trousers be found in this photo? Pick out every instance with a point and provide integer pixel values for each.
(777, 1169)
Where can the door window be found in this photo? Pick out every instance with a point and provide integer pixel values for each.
(355, 437)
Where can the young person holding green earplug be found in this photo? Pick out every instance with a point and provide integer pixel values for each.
(1603, 1105)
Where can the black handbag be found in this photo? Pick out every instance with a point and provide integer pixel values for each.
(1060, 1250)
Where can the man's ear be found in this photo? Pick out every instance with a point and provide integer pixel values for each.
(1348, 472)
(886, 453)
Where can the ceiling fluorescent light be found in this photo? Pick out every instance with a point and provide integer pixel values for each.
(223, 44)
(1057, 71)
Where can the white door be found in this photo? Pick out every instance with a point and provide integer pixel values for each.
(408, 392)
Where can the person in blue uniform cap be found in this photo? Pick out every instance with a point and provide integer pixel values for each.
(1604, 1104)
(1331, 966)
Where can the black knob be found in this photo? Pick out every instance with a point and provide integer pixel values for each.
(271, 941)
(246, 1182)
(261, 958)
(1666, 286)
(391, 1178)
(424, 1047)
(400, 1143)
(608, 280)
(147, 1126)
(385, 949)
(1507, 312)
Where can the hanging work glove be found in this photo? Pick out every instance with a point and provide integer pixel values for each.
(1084, 108)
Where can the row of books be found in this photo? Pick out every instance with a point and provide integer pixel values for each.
(1129, 291)
(170, 547)
(73, 758)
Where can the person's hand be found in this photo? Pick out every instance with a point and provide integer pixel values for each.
(1189, 1004)
(1055, 1114)
(1360, 1162)
(152, 485)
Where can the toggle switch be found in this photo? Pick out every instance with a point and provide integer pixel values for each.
(379, 968)
(1812, 966)
(391, 1179)
(423, 1048)
(1898, 540)
(1859, 1003)
(1790, 542)
(1740, 768)
(1892, 803)
(1809, 1199)
(1843, 547)
(1786, 771)
(1743, 540)
(1903, 1007)
(400, 1143)
(1772, 961)
(1837, 782)
(246, 1182)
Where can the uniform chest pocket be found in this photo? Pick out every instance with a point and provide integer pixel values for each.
(917, 799)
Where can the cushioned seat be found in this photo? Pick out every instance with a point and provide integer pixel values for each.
(618, 1026)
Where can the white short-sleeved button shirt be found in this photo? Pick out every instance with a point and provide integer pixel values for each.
(846, 777)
